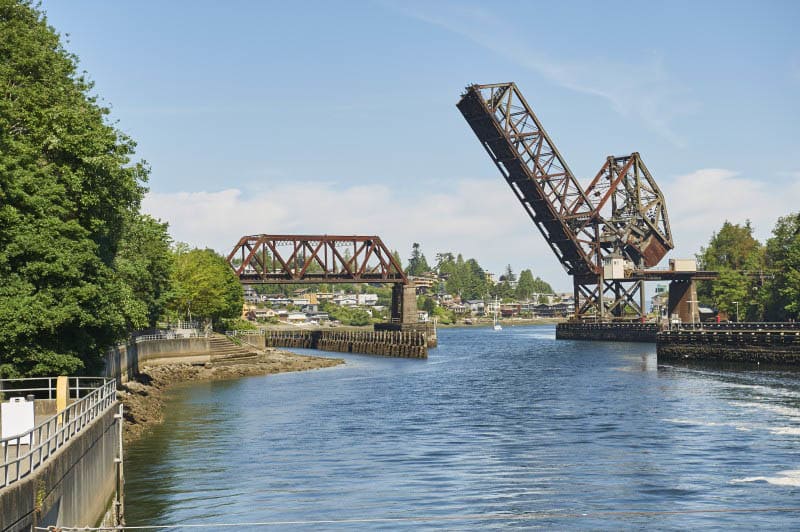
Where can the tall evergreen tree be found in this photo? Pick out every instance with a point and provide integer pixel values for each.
(525, 286)
(67, 186)
(417, 265)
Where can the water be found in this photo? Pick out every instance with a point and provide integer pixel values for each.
(509, 429)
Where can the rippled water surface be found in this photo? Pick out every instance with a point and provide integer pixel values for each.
(509, 429)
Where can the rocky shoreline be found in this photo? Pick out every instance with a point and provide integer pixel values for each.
(144, 397)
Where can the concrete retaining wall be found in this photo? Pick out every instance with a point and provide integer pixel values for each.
(123, 362)
(761, 347)
(614, 332)
(74, 487)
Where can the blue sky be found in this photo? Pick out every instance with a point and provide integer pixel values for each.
(339, 117)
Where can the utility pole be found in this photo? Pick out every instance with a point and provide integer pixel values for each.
(737, 310)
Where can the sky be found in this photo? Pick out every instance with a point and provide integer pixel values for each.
(339, 117)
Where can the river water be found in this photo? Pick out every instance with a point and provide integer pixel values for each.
(508, 429)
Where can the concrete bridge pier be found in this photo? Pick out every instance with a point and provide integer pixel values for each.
(404, 303)
(683, 300)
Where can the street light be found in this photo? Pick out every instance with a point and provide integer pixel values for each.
(737, 310)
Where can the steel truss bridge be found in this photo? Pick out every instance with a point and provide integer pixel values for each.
(620, 215)
(315, 259)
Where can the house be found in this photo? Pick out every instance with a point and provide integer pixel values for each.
(297, 317)
(367, 299)
(250, 294)
(476, 306)
(264, 313)
(459, 308)
(346, 300)
(422, 316)
(278, 301)
(424, 283)
(508, 310)
(317, 317)
(556, 310)
(323, 297)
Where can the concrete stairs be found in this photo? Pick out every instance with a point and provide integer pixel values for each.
(225, 352)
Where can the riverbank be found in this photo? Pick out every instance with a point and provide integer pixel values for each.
(143, 398)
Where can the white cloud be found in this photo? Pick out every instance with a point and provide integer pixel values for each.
(644, 90)
(701, 201)
(478, 218)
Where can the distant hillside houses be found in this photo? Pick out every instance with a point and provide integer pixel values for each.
(555, 307)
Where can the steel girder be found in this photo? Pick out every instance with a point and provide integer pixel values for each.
(290, 259)
(621, 213)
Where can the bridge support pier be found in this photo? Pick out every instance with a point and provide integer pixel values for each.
(683, 300)
(404, 303)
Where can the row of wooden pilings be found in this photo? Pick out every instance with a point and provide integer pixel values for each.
(403, 344)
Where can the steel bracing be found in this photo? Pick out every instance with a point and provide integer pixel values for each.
(290, 259)
(622, 213)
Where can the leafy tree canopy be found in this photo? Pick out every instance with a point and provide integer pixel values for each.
(67, 187)
(781, 294)
(144, 263)
(732, 250)
(204, 286)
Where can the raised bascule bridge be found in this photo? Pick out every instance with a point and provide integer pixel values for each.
(609, 236)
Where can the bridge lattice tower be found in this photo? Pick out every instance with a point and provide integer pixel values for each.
(621, 214)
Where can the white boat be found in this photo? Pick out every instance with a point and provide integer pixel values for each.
(497, 326)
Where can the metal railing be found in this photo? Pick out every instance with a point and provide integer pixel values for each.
(21, 459)
(246, 332)
(169, 335)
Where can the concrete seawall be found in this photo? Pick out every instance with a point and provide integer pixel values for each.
(123, 362)
(781, 347)
(73, 487)
(612, 332)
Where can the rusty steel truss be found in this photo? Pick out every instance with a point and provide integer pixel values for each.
(290, 259)
(622, 213)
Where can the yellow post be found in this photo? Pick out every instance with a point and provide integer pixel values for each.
(62, 394)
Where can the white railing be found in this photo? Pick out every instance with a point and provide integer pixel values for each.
(246, 332)
(21, 459)
(169, 335)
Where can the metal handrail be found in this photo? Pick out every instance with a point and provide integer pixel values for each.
(56, 431)
(168, 336)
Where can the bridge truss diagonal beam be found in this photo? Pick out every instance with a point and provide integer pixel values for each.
(290, 259)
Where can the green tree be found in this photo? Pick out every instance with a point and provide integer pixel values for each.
(542, 287)
(731, 251)
(67, 186)
(526, 285)
(417, 265)
(475, 284)
(347, 315)
(144, 263)
(781, 293)
(204, 286)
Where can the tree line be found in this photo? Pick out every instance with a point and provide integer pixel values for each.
(81, 266)
(762, 280)
(467, 279)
